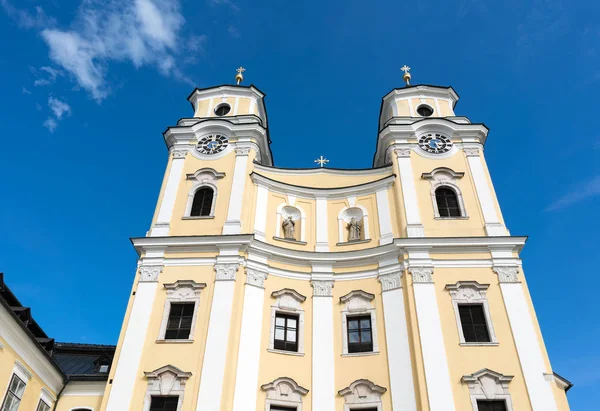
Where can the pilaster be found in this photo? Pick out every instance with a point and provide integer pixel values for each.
(414, 227)
(165, 212)
(321, 228)
(233, 225)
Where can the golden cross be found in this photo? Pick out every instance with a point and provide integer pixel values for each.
(405, 68)
(240, 70)
(322, 161)
(239, 76)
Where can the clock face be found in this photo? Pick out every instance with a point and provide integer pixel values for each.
(212, 144)
(435, 143)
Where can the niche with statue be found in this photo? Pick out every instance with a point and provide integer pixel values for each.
(291, 224)
(353, 226)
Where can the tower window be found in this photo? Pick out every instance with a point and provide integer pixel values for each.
(42, 406)
(202, 204)
(424, 110)
(474, 324)
(278, 408)
(16, 388)
(447, 202)
(179, 324)
(286, 332)
(491, 405)
(164, 403)
(222, 109)
(359, 334)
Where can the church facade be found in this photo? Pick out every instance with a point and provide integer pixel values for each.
(394, 288)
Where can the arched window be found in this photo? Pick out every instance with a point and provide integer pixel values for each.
(202, 204)
(447, 202)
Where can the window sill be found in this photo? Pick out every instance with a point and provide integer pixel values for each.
(202, 217)
(360, 354)
(286, 240)
(479, 344)
(274, 351)
(174, 341)
(451, 218)
(368, 240)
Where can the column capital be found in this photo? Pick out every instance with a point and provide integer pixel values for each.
(390, 281)
(472, 151)
(242, 151)
(149, 273)
(226, 272)
(256, 277)
(179, 153)
(422, 274)
(507, 274)
(402, 152)
(322, 288)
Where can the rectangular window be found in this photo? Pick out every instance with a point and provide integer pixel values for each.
(491, 405)
(359, 334)
(278, 408)
(16, 388)
(42, 406)
(168, 403)
(179, 324)
(474, 325)
(286, 332)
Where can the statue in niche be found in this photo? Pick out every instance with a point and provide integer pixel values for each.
(289, 232)
(354, 229)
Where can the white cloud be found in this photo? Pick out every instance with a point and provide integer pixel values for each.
(27, 19)
(25, 91)
(58, 107)
(144, 32)
(50, 124)
(41, 82)
(52, 72)
(582, 192)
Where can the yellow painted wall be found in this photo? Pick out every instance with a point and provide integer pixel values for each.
(68, 402)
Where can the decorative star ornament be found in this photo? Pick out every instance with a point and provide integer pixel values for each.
(322, 161)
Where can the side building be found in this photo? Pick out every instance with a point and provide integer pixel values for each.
(39, 374)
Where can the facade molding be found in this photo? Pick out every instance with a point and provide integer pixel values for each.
(285, 392)
(150, 273)
(166, 380)
(322, 288)
(486, 384)
(507, 274)
(362, 394)
(421, 274)
(181, 291)
(256, 277)
(391, 281)
(226, 272)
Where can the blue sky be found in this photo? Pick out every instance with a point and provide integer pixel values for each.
(89, 86)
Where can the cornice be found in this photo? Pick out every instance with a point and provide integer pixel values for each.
(424, 91)
(318, 192)
(323, 171)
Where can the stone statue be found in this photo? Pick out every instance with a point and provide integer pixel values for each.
(288, 229)
(354, 229)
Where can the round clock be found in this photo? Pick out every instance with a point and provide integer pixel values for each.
(212, 144)
(435, 143)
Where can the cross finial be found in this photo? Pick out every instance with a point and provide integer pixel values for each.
(239, 76)
(406, 76)
(322, 161)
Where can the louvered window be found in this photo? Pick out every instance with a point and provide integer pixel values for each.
(360, 337)
(15, 391)
(179, 324)
(491, 405)
(286, 332)
(202, 204)
(164, 403)
(447, 202)
(474, 324)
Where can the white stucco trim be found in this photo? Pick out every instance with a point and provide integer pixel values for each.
(260, 216)
(471, 293)
(215, 353)
(486, 384)
(246, 380)
(233, 224)
(166, 380)
(287, 301)
(362, 394)
(385, 217)
(486, 199)
(402, 386)
(321, 228)
(181, 291)
(409, 193)
(165, 212)
(84, 389)
(445, 177)
(47, 398)
(323, 364)
(284, 392)
(342, 223)
(435, 361)
(205, 177)
(526, 340)
(358, 303)
(128, 363)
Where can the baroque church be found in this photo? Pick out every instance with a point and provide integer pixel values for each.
(394, 288)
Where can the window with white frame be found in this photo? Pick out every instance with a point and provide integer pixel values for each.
(42, 406)
(283, 394)
(359, 324)
(202, 197)
(166, 386)
(446, 196)
(287, 322)
(180, 311)
(472, 312)
(489, 390)
(16, 387)
(362, 395)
